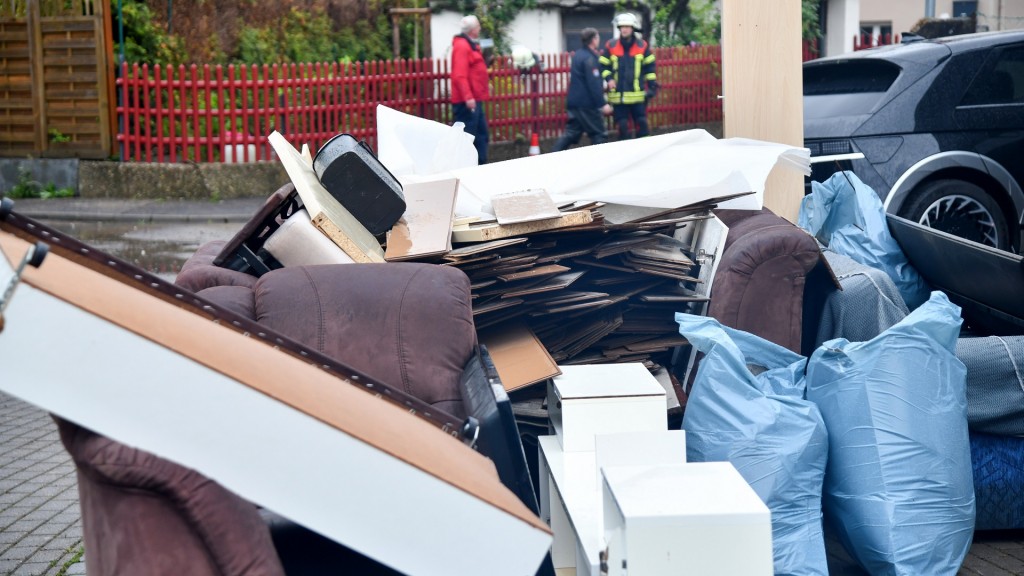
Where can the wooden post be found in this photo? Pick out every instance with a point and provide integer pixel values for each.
(396, 46)
(35, 46)
(423, 14)
(762, 85)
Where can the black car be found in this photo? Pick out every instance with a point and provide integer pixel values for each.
(941, 126)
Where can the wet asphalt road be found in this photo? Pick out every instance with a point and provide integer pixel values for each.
(158, 247)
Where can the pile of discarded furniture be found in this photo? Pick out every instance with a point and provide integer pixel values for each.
(358, 364)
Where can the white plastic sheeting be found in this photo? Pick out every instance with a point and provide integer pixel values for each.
(665, 171)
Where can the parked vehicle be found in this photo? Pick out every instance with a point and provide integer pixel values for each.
(941, 126)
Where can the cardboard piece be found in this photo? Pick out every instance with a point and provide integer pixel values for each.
(483, 231)
(326, 213)
(519, 357)
(474, 249)
(524, 206)
(426, 227)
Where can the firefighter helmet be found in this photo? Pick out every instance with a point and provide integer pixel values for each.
(523, 58)
(626, 19)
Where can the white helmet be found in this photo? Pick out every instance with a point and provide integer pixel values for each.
(522, 57)
(626, 19)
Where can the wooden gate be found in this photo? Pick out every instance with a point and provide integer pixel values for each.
(55, 78)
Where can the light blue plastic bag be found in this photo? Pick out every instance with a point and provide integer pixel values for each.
(898, 486)
(763, 426)
(847, 216)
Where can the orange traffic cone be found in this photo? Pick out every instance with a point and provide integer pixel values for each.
(534, 144)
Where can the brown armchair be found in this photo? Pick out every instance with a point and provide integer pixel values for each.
(409, 326)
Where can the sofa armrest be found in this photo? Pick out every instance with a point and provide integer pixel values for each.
(199, 272)
(172, 514)
(759, 284)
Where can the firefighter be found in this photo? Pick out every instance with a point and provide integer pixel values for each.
(627, 64)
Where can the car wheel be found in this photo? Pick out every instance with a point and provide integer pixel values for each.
(959, 208)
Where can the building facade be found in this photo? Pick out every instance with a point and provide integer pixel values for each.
(845, 19)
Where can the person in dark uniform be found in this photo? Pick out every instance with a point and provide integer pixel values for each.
(585, 102)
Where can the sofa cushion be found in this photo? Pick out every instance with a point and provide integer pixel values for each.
(406, 325)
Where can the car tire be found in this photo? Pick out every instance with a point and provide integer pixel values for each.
(959, 208)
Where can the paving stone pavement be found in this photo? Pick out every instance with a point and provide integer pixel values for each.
(40, 522)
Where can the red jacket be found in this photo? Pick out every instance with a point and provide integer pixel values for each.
(469, 72)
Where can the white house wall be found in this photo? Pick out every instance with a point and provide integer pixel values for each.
(1001, 14)
(443, 27)
(843, 24)
(902, 15)
(538, 30)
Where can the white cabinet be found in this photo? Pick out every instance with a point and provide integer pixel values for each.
(697, 518)
(603, 399)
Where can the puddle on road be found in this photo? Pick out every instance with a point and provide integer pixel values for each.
(160, 248)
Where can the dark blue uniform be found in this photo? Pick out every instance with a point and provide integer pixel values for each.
(584, 102)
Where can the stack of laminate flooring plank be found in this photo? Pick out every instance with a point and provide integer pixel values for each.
(593, 293)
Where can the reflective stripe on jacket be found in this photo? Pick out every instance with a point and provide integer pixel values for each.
(631, 64)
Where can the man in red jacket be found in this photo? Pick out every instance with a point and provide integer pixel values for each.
(469, 84)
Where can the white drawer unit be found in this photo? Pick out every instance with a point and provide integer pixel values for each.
(697, 518)
(603, 399)
(571, 489)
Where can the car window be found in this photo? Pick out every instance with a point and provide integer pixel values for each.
(1001, 83)
(846, 88)
(850, 77)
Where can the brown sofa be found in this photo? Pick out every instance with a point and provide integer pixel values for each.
(409, 326)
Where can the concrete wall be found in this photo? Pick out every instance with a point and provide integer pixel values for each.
(191, 181)
(62, 173)
(151, 181)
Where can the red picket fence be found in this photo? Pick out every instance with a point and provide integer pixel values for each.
(217, 113)
(810, 50)
(865, 41)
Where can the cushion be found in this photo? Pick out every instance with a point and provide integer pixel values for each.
(406, 325)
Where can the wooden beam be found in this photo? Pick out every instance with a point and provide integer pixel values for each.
(762, 85)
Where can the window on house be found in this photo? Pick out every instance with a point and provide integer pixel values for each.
(964, 8)
(876, 33)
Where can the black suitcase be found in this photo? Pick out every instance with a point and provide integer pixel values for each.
(355, 177)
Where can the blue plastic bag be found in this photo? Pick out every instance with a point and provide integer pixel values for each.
(847, 216)
(898, 487)
(763, 426)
